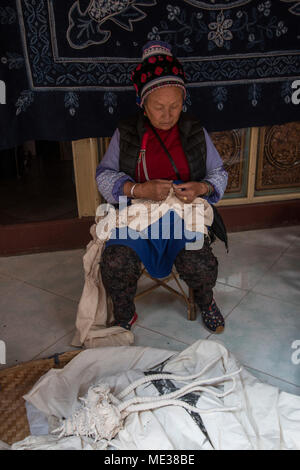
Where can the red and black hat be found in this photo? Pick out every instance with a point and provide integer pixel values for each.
(158, 69)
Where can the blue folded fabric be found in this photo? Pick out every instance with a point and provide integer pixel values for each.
(158, 245)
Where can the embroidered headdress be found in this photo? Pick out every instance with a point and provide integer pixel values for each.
(159, 68)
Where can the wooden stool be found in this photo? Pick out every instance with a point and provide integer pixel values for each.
(191, 307)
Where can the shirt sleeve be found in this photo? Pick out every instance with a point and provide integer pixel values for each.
(109, 179)
(216, 174)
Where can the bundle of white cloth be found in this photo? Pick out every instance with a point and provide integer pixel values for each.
(198, 399)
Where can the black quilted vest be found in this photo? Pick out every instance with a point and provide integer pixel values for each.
(194, 146)
(191, 135)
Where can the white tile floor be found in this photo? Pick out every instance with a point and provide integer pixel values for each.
(258, 291)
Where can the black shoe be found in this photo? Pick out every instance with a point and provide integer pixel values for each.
(213, 319)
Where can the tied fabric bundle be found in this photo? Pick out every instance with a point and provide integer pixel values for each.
(266, 418)
(102, 415)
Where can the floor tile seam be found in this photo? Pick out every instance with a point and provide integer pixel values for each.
(28, 283)
(229, 313)
(9, 276)
(265, 271)
(52, 344)
(275, 298)
(292, 255)
(61, 263)
(235, 306)
(256, 243)
(268, 269)
(266, 229)
(254, 293)
(291, 243)
(251, 291)
(43, 330)
(52, 292)
(179, 341)
(13, 277)
(243, 289)
(161, 334)
(270, 375)
(238, 303)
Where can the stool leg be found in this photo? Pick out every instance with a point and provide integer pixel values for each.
(191, 306)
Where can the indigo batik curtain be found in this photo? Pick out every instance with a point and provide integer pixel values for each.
(66, 64)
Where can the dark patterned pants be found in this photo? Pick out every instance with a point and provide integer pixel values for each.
(121, 268)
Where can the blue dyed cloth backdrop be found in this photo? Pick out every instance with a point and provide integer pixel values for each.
(65, 64)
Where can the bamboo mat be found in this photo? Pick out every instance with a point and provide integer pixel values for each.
(14, 383)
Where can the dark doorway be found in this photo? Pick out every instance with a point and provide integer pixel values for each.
(37, 183)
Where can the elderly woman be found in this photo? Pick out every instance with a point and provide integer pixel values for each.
(147, 155)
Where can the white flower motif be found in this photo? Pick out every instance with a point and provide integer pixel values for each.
(173, 12)
(281, 29)
(265, 8)
(261, 7)
(220, 30)
(153, 34)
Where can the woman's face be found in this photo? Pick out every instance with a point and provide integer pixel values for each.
(163, 106)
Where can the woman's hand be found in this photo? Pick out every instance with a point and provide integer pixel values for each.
(187, 192)
(156, 190)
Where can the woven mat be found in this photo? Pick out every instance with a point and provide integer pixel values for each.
(14, 383)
